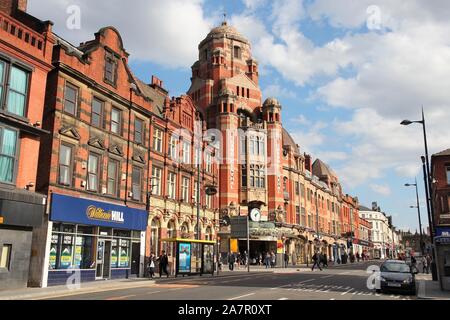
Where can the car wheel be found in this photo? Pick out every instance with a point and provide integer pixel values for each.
(378, 290)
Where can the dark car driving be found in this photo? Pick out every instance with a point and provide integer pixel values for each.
(397, 276)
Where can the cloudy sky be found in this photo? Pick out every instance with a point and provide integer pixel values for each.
(346, 72)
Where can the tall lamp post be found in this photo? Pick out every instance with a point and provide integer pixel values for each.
(418, 212)
(428, 189)
(427, 169)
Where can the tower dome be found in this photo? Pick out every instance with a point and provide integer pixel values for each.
(225, 31)
(271, 102)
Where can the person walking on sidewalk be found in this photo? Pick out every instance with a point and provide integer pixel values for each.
(325, 260)
(286, 260)
(267, 260)
(429, 260)
(231, 261)
(163, 263)
(316, 259)
(272, 259)
(151, 266)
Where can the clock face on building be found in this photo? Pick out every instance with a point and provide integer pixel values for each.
(255, 215)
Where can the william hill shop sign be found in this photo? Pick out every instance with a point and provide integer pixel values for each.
(89, 212)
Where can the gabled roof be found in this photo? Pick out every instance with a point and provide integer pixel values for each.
(149, 92)
(442, 153)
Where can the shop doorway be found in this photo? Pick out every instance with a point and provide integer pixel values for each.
(103, 270)
(135, 258)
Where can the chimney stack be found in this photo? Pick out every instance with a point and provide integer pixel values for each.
(308, 162)
(11, 6)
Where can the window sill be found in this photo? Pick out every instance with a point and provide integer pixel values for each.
(15, 116)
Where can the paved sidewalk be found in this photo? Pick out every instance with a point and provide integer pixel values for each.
(291, 268)
(430, 290)
(36, 293)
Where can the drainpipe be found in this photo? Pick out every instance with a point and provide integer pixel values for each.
(132, 87)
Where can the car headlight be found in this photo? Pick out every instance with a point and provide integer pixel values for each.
(408, 280)
(382, 279)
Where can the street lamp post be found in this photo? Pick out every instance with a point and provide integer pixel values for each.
(427, 169)
(418, 212)
(428, 189)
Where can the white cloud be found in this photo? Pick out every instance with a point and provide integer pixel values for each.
(381, 189)
(276, 90)
(254, 4)
(164, 32)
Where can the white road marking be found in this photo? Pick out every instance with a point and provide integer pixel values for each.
(152, 292)
(243, 296)
(327, 276)
(306, 281)
(344, 293)
(343, 273)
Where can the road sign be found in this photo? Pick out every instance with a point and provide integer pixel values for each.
(239, 227)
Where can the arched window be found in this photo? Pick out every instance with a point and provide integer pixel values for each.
(208, 234)
(184, 230)
(171, 231)
(155, 236)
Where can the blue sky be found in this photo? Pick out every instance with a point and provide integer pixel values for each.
(345, 72)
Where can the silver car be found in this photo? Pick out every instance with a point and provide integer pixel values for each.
(397, 276)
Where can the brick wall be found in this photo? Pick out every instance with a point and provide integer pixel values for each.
(10, 6)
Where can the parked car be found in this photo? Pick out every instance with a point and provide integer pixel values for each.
(397, 276)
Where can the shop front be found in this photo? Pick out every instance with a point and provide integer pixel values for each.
(20, 213)
(442, 241)
(94, 240)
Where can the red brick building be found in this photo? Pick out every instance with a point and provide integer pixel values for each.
(121, 146)
(440, 172)
(262, 170)
(25, 60)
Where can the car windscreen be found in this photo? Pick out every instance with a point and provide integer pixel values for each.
(395, 267)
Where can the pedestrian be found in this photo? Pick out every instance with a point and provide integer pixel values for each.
(357, 256)
(316, 259)
(245, 258)
(151, 266)
(267, 260)
(163, 263)
(424, 264)
(260, 259)
(429, 261)
(231, 261)
(286, 260)
(414, 264)
(325, 260)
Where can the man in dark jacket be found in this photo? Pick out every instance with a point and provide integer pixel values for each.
(231, 260)
(163, 263)
(286, 260)
(316, 258)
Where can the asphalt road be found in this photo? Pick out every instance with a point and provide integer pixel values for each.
(347, 282)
